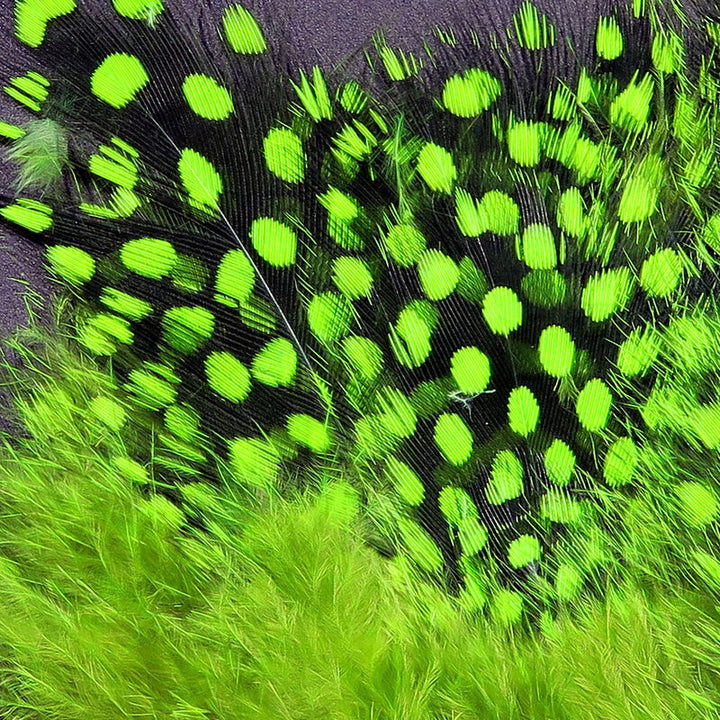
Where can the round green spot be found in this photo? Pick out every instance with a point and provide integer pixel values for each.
(72, 264)
(118, 79)
(439, 274)
(538, 247)
(502, 310)
(605, 293)
(593, 405)
(470, 368)
(364, 355)
(524, 143)
(352, 277)
(227, 376)
(556, 350)
(698, 503)
(148, 257)
(620, 462)
(471, 93)
(472, 536)
(420, 546)
(310, 432)
(559, 462)
(274, 241)
(559, 507)
(109, 412)
(329, 316)
(523, 550)
(638, 351)
(187, 329)
(660, 273)
(201, 180)
(435, 165)
(276, 363)
(206, 97)
(453, 438)
(242, 31)
(523, 411)
(499, 213)
(235, 276)
(32, 16)
(396, 413)
(455, 505)
(506, 478)
(608, 38)
(255, 462)
(284, 154)
(405, 244)
(405, 481)
(571, 213)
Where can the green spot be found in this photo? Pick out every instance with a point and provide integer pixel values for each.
(227, 376)
(420, 546)
(470, 368)
(186, 329)
(284, 154)
(352, 277)
(499, 213)
(138, 9)
(30, 214)
(559, 462)
(149, 257)
(396, 413)
(523, 411)
(473, 283)
(524, 141)
(242, 31)
(471, 93)
(507, 607)
(593, 405)
(606, 293)
(190, 274)
(12, 132)
(660, 273)
(667, 52)
(608, 38)
(523, 550)
(533, 30)
(538, 246)
(556, 350)
(630, 110)
(32, 16)
(709, 568)
(405, 244)
(363, 355)
(453, 438)
(72, 264)
(639, 199)
(235, 276)
(308, 431)
(568, 581)
(638, 351)
(276, 363)
(255, 462)
(571, 213)
(131, 469)
(201, 180)
(339, 204)
(405, 481)
(206, 97)
(329, 316)
(133, 308)
(398, 64)
(546, 288)
(118, 79)
(116, 170)
(410, 339)
(438, 273)
(620, 462)
(150, 390)
(183, 422)
(506, 478)
(558, 507)
(698, 503)
(274, 241)
(472, 535)
(455, 505)
(109, 412)
(314, 96)
(502, 310)
(436, 167)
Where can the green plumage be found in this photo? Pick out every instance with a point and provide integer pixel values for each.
(491, 312)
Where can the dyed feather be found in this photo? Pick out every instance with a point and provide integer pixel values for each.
(482, 286)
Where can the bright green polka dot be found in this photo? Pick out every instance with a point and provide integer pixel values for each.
(72, 264)
(606, 293)
(405, 481)
(364, 355)
(556, 350)
(242, 31)
(436, 167)
(138, 9)
(523, 411)
(255, 462)
(206, 97)
(187, 329)
(471, 93)
(131, 469)
(410, 339)
(524, 141)
(571, 213)
(235, 276)
(149, 257)
(473, 536)
(523, 550)
(498, 213)
(32, 17)
(593, 405)
(276, 363)
(630, 109)
(183, 422)
(502, 310)
(352, 277)
(133, 308)
(438, 273)
(109, 412)
(559, 507)
(538, 247)
(453, 438)
(227, 376)
(639, 199)
(638, 351)
(274, 241)
(532, 29)
(329, 316)
(118, 79)
(507, 607)
(660, 273)
(201, 180)
(620, 462)
(698, 503)
(455, 504)
(30, 214)
(470, 368)
(608, 38)
(396, 413)
(420, 546)
(284, 154)
(506, 478)
(150, 390)
(310, 432)
(405, 244)
(559, 462)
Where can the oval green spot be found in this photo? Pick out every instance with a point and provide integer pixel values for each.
(149, 257)
(506, 478)
(502, 310)
(438, 273)
(559, 462)
(201, 180)
(593, 405)
(470, 368)
(523, 550)
(118, 79)
(523, 411)
(284, 154)
(556, 350)
(227, 376)
(436, 167)
(352, 277)
(329, 316)
(453, 438)
(660, 273)
(242, 31)
(365, 356)
(620, 462)
(471, 93)
(538, 247)
(235, 276)
(72, 264)
(405, 244)
(254, 462)
(187, 329)
(405, 481)
(274, 241)
(206, 97)
(310, 432)
(276, 363)
(605, 293)
(698, 504)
